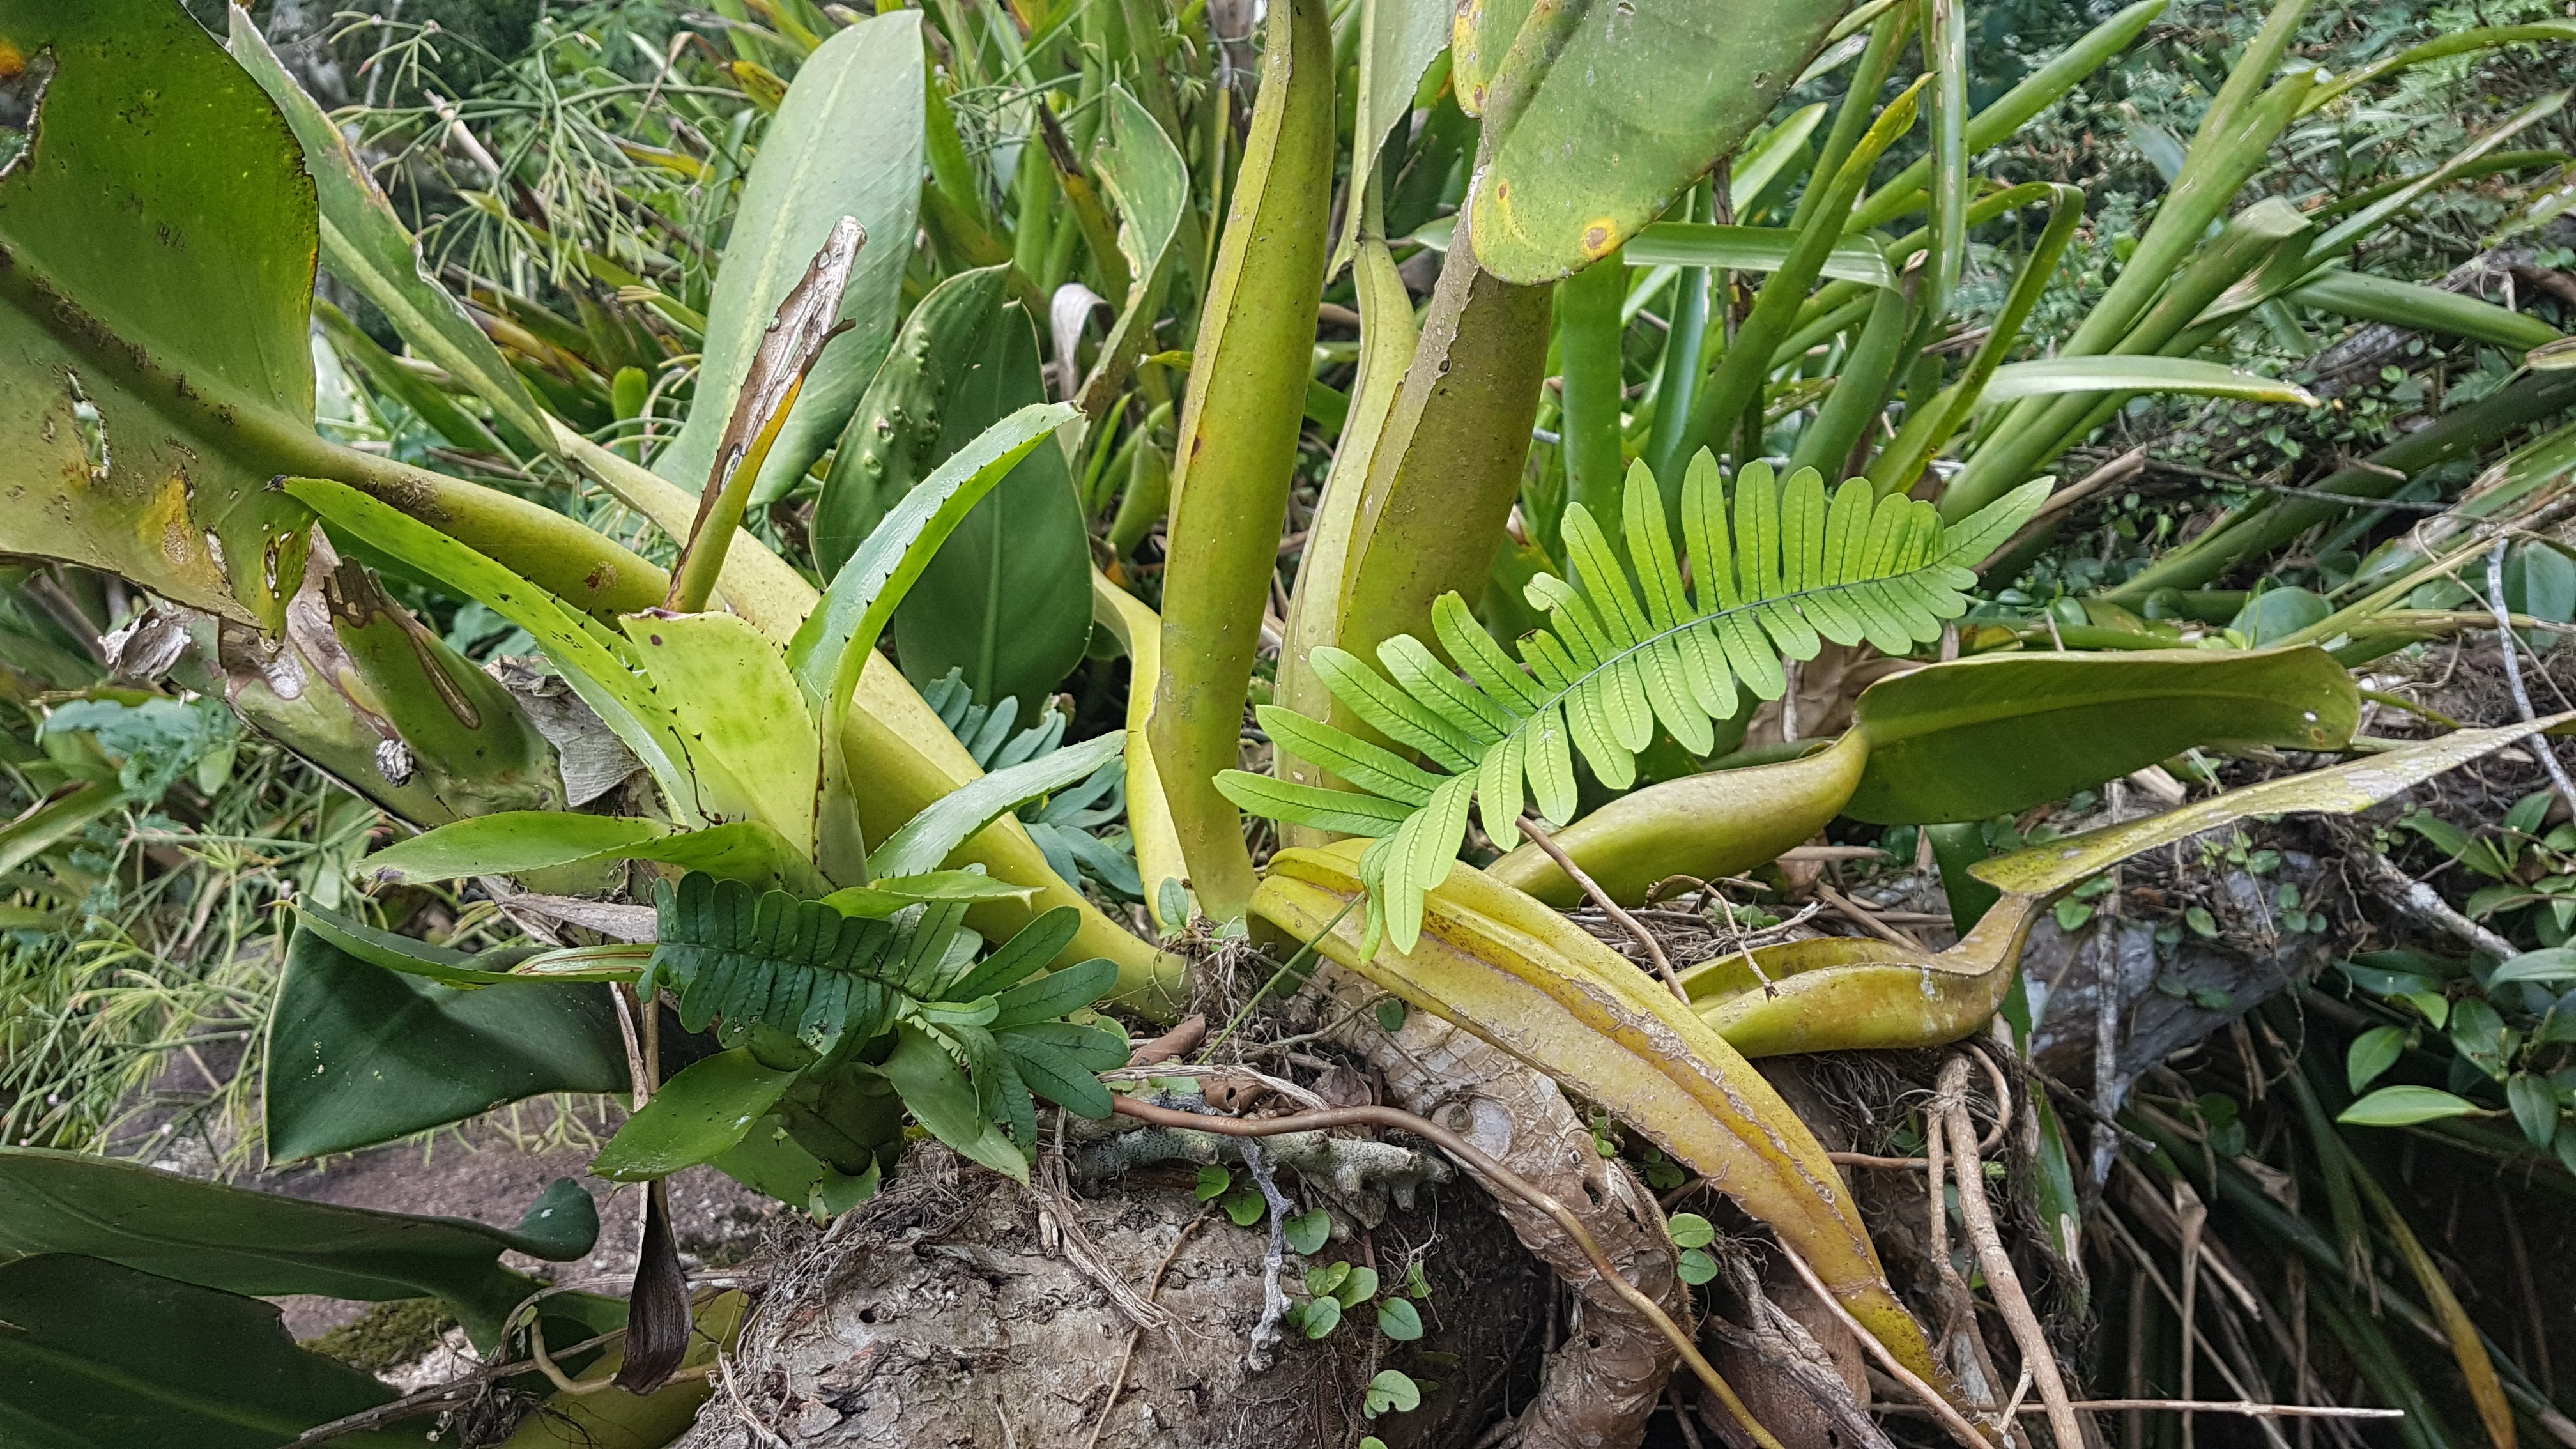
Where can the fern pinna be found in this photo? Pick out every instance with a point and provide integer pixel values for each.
(1772, 577)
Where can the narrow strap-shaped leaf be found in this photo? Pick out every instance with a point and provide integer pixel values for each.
(1344, 812)
(1373, 768)
(1650, 549)
(1605, 582)
(1391, 711)
(1495, 672)
(1802, 532)
(1412, 664)
(1757, 531)
(1498, 791)
(1705, 532)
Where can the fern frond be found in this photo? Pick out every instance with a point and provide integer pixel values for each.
(1776, 569)
(739, 958)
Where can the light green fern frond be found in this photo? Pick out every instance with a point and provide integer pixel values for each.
(1776, 569)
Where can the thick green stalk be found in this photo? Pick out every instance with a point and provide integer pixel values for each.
(1927, 429)
(1860, 393)
(1388, 336)
(1588, 332)
(1685, 348)
(1238, 445)
(1887, 36)
(1737, 384)
(1448, 466)
(1945, 55)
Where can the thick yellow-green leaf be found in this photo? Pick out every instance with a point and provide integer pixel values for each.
(1238, 442)
(753, 748)
(1539, 987)
(1720, 823)
(1599, 115)
(2339, 790)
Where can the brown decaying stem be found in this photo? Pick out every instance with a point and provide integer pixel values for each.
(1960, 1429)
(2510, 647)
(1477, 1160)
(2241, 1407)
(2002, 1280)
(1654, 949)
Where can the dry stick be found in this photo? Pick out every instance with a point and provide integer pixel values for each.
(1939, 1407)
(1859, 915)
(1484, 1165)
(1153, 1287)
(2511, 647)
(1615, 911)
(2002, 1279)
(2243, 1408)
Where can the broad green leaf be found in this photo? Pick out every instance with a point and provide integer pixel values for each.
(2535, 1108)
(1007, 599)
(1143, 172)
(98, 1356)
(2404, 1107)
(935, 1089)
(358, 1054)
(414, 958)
(512, 842)
(754, 750)
(878, 899)
(2050, 377)
(2419, 308)
(1978, 737)
(365, 245)
(2371, 1055)
(517, 842)
(1399, 1320)
(1394, 1389)
(156, 311)
(1593, 126)
(866, 590)
(812, 170)
(2344, 789)
(2553, 965)
(606, 682)
(1750, 249)
(2276, 614)
(266, 1245)
(928, 838)
(694, 1117)
(160, 266)
(1398, 41)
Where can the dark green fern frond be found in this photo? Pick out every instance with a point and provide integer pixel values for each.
(1777, 568)
(739, 958)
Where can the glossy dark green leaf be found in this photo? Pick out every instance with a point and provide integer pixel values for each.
(847, 142)
(1977, 737)
(2535, 1107)
(2371, 1054)
(98, 1356)
(1588, 138)
(154, 307)
(696, 1116)
(359, 1055)
(263, 1244)
(2404, 1107)
(936, 1091)
(1007, 599)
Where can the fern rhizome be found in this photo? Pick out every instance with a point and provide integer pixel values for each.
(1776, 569)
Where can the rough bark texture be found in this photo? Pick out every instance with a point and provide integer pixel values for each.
(936, 1316)
(1608, 1372)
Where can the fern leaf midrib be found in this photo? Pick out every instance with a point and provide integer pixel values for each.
(1612, 660)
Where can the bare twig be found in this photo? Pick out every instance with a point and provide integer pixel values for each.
(2241, 1407)
(2510, 646)
(1939, 1407)
(1861, 916)
(1486, 1166)
(2002, 1279)
(2426, 904)
(1615, 911)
